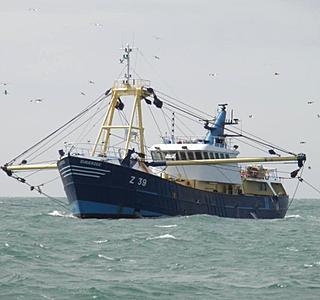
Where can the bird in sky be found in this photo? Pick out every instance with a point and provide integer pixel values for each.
(91, 82)
(156, 57)
(302, 142)
(38, 100)
(250, 116)
(276, 73)
(82, 93)
(6, 92)
(310, 102)
(318, 115)
(212, 74)
(4, 83)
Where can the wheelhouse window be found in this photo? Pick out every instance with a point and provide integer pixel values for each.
(205, 155)
(198, 155)
(227, 155)
(156, 155)
(211, 155)
(183, 155)
(217, 155)
(191, 155)
(170, 155)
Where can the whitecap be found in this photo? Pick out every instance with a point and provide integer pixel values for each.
(164, 236)
(294, 249)
(308, 265)
(292, 216)
(57, 213)
(6, 244)
(101, 242)
(106, 257)
(166, 226)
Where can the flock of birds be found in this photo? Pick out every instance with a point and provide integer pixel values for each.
(35, 100)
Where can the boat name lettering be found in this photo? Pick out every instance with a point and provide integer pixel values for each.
(90, 163)
(138, 180)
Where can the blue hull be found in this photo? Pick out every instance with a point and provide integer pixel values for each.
(103, 190)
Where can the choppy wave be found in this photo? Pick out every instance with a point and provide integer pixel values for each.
(293, 216)
(108, 257)
(164, 236)
(101, 241)
(165, 226)
(57, 213)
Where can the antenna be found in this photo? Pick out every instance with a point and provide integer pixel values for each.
(126, 58)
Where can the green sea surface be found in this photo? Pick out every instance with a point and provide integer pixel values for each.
(45, 253)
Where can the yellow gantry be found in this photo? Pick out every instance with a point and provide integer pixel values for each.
(133, 88)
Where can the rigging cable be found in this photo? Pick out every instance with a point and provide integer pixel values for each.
(154, 119)
(309, 184)
(89, 107)
(39, 190)
(296, 189)
(230, 130)
(50, 146)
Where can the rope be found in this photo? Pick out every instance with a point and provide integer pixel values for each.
(296, 189)
(309, 184)
(154, 119)
(38, 189)
(89, 107)
(261, 141)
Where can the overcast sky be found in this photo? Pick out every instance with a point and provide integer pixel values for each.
(51, 49)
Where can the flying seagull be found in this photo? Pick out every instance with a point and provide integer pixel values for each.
(318, 115)
(212, 74)
(310, 102)
(156, 57)
(90, 81)
(38, 100)
(250, 116)
(276, 73)
(82, 93)
(302, 142)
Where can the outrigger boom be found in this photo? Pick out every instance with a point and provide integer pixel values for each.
(300, 158)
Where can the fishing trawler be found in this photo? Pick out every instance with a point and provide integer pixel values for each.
(177, 177)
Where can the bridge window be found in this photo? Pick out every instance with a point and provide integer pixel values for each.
(217, 155)
(221, 155)
(211, 155)
(156, 155)
(183, 155)
(205, 155)
(191, 155)
(198, 155)
(227, 155)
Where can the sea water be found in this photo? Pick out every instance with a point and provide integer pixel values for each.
(45, 253)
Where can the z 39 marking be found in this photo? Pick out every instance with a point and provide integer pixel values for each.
(138, 181)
